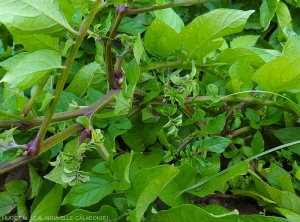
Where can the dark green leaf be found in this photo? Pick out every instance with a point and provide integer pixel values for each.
(287, 135)
(21, 207)
(83, 79)
(106, 213)
(91, 192)
(215, 144)
(16, 187)
(50, 204)
(35, 181)
(146, 185)
(216, 124)
(131, 27)
(8, 202)
(257, 143)
(185, 178)
(211, 186)
(121, 166)
(284, 199)
(267, 12)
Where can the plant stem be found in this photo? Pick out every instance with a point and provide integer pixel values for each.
(179, 64)
(202, 99)
(61, 136)
(112, 79)
(239, 132)
(36, 142)
(14, 116)
(31, 100)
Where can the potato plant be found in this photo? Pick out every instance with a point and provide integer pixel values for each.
(144, 110)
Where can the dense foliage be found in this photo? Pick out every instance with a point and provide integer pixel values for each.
(142, 110)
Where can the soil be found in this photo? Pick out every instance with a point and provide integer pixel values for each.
(20, 173)
(244, 205)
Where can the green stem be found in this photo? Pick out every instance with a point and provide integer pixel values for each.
(63, 77)
(31, 100)
(61, 136)
(14, 116)
(178, 64)
(239, 132)
(202, 99)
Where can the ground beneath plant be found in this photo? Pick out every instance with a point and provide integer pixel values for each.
(244, 205)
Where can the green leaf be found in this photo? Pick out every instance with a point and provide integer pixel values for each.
(261, 218)
(146, 185)
(217, 23)
(283, 199)
(148, 116)
(245, 41)
(130, 26)
(216, 124)
(35, 181)
(101, 168)
(16, 187)
(35, 42)
(9, 63)
(46, 99)
(24, 74)
(171, 18)
(267, 12)
(122, 103)
(240, 55)
(138, 49)
(160, 39)
(50, 204)
(121, 166)
(266, 54)
(252, 115)
(142, 134)
(292, 46)
(132, 73)
(215, 144)
(279, 178)
(287, 135)
(8, 202)
(141, 161)
(33, 17)
(209, 186)
(257, 143)
(91, 192)
(198, 115)
(241, 77)
(83, 79)
(279, 74)
(21, 207)
(185, 178)
(56, 174)
(188, 212)
(284, 19)
(106, 213)
(16, 102)
(83, 120)
(288, 214)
